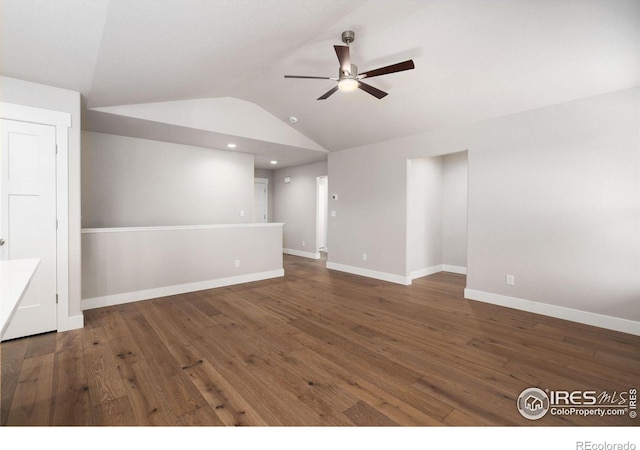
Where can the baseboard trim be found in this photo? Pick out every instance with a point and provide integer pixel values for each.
(74, 323)
(146, 294)
(454, 269)
(439, 268)
(392, 278)
(426, 271)
(559, 312)
(290, 251)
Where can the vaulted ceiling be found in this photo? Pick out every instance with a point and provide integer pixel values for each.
(474, 59)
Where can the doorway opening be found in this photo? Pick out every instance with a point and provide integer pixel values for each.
(437, 214)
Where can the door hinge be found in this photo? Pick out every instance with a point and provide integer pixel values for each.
(56, 299)
(56, 224)
(56, 149)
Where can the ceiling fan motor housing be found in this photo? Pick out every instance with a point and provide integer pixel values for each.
(348, 37)
(351, 74)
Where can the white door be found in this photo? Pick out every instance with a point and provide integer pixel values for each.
(260, 202)
(28, 218)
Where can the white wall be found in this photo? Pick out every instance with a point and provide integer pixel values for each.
(295, 206)
(424, 213)
(131, 264)
(554, 200)
(371, 183)
(553, 195)
(137, 182)
(454, 209)
(47, 97)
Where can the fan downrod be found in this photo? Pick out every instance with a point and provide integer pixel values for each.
(348, 37)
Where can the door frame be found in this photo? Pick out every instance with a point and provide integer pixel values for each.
(320, 214)
(62, 122)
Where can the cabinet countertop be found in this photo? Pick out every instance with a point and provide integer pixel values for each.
(15, 275)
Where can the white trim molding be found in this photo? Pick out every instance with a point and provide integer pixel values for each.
(75, 322)
(32, 114)
(390, 277)
(290, 251)
(179, 227)
(146, 294)
(454, 269)
(559, 312)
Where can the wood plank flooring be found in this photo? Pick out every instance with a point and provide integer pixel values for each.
(315, 348)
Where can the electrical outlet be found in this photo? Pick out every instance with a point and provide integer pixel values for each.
(304, 243)
(510, 280)
(242, 213)
(364, 256)
(333, 213)
(237, 263)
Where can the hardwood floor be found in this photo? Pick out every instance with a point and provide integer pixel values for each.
(314, 348)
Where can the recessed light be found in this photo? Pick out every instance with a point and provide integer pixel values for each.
(274, 162)
(231, 145)
(293, 119)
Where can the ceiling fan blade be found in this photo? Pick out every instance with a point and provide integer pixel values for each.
(399, 67)
(328, 94)
(304, 76)
(377, 93)
(343, 56)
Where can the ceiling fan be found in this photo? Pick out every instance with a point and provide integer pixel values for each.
(348, 78)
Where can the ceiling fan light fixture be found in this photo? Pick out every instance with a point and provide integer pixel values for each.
(348, 84)
(348, 78)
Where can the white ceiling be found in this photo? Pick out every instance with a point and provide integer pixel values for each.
(474, 59)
